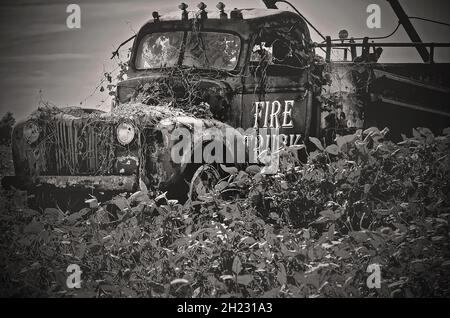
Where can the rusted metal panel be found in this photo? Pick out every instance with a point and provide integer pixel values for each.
(410, 81)
(412, 89)
(343, 95)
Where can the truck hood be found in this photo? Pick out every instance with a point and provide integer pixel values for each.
(181, 91)
(143, 115)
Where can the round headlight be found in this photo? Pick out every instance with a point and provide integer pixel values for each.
(125, 133)
(31, 132)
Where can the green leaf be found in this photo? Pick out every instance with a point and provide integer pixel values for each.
(403, 228)
(316, 142)
(359, 236)
(244, 279)
(179, 281)
(34, 227)
(281, 276)
(330, 215)
(221, 186)
(340, 252)
(416, 134)
(53, 215)
(331, 232)
(237, 265)
(229, 170)
(253, 169)
(143, 187)
(300, 278)
(120, 202)
(271, 293)
(93, 203)
(72, 218)
(427, 133)
(227, 277)
(274, 216)
(332, 150)
(306, 234)
(343, 140)
(296, 147)
(373, 130)
(287, 252)
(248, 240)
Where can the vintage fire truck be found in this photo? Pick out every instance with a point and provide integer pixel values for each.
(241, 69)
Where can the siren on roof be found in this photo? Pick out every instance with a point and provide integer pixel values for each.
(221, 8)
(203, 13)
(156, 16)
(184, 14)
(236, 14)
(343, 35)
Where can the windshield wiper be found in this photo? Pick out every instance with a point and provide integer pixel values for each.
(116, 52)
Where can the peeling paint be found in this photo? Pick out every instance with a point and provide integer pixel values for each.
(344, 89)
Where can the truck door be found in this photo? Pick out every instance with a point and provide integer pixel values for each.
(276, 92)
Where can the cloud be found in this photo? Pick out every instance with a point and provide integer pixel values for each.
(43, 57)
(19, 3)
(42, 29)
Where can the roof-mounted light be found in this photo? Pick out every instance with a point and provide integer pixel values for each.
(203, 13)
(343, 35)
(221, 8)
(236, 14)
(184, 14)
(156, 16)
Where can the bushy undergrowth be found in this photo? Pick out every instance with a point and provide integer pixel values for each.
(312, 230)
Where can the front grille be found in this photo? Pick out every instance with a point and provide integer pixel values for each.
(81, 148)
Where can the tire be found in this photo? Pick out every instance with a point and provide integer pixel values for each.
(203, 181)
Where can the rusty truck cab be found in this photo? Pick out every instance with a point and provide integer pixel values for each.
(251, 68)
(264, 79)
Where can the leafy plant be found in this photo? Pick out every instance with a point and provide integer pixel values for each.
(312, 230)
(6, 125)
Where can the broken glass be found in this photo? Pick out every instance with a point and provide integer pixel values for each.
(202, 50)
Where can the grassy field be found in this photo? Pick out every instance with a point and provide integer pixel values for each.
(361, 212)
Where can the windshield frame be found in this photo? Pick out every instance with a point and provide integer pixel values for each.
(182, 50)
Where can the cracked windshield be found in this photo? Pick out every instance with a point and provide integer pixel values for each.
(202, 50)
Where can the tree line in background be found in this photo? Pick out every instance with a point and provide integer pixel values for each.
(6, 125)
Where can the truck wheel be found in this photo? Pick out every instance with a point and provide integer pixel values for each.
(203, 181)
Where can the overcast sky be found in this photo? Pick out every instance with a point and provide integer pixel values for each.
(39, 53)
